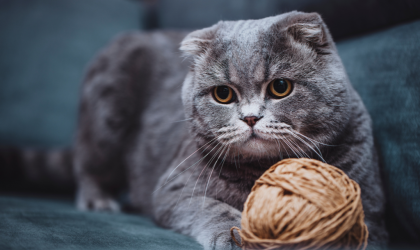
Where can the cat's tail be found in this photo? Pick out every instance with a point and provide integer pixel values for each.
(49, 168)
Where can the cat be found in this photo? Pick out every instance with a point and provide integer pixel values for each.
(189, 132)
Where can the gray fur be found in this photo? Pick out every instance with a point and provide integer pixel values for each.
(134, 100)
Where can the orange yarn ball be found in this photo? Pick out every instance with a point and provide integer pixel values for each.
(303, 204)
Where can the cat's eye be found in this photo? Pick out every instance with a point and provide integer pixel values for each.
(279, 88)
(224, 94)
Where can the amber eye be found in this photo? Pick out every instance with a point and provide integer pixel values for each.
(279, 88)
(224, 94)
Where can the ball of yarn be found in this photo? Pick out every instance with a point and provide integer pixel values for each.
(303, 204)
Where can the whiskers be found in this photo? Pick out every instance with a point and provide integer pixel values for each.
(182, 120)
(295, 145)
(226, 147)
(169, 179)
(214, 146)
(229, 134)
(317, 152)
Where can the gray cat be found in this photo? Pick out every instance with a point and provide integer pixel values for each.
(189, 136)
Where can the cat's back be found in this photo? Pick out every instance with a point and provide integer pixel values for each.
(139, 68)
(144, 57)
(156, 69)
(130, 105)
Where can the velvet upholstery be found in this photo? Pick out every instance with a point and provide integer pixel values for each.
(385, 69)
(27, 223)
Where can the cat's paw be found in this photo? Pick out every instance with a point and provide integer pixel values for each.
(221, 240)
(103, 204)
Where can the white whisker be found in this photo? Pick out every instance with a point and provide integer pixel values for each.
(285, 141)
(223, 161)
(265, 149)
(288, 156)
(320, 154)
(182, 120)
(182, 191)
(189, 157)
(297, 147)
(313, 139)
(234, 160)
(208, 163)
(205, 191)
(278, 146)
(174, 177)
(307, 138)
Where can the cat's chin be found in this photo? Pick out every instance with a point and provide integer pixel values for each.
(260, 148)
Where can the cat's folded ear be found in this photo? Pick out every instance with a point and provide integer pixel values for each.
(197, 41)
(310, 29)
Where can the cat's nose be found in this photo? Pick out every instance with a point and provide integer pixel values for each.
(251, 120)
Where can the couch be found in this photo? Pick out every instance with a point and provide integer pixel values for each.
(45, 45)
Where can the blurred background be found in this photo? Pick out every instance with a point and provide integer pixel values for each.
(45, 46)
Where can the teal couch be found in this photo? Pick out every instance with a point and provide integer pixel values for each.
(28, 223)
(44, 47)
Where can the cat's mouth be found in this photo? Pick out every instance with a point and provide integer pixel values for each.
(253, 135)
(258, 142)
(270, 134)
(258, 146)
(259, 137)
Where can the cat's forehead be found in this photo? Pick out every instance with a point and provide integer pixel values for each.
(254, 52)
(247, 28)
(241, 48)
(245, 32)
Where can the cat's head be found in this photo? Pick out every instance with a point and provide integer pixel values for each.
(265, 88)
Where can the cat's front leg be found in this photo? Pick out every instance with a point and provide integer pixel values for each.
(207, 220)
(217, 218)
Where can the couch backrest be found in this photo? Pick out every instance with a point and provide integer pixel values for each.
(384, 68)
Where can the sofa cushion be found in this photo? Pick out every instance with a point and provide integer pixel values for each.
(385, 69)
(28, 223)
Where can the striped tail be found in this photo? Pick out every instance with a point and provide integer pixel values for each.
(47, 168)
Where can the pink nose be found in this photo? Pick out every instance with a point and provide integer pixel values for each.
(251, 120)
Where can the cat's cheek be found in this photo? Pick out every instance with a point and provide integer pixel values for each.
(219, 115)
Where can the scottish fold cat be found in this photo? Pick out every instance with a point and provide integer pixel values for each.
(188, 132)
